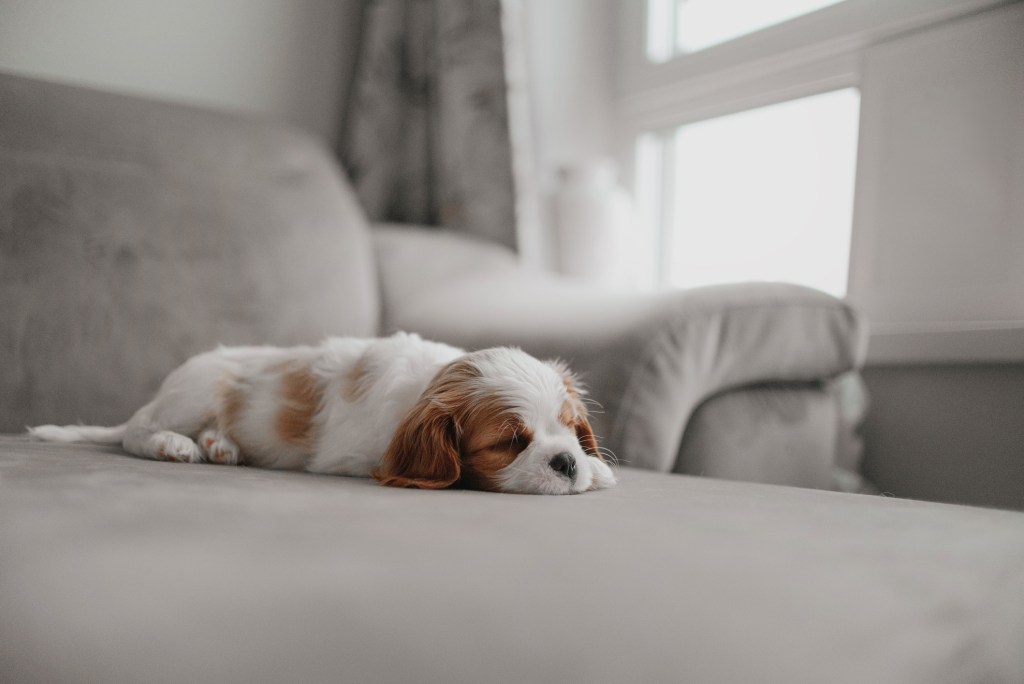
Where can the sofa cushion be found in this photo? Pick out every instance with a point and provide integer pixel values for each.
(781, 433)
(116, 569)
(134, 234)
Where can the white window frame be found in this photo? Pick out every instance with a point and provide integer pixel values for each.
(808, 55)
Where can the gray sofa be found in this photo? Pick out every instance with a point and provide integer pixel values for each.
(134, 234)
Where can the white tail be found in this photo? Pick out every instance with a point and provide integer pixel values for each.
(79, 433)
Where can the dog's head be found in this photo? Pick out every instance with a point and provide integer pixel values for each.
(498, 420)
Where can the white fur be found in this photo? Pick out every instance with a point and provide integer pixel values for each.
(351, 434)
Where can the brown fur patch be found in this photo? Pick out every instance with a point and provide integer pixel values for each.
(574, 415)
(569, 413)
(493, 439)
(301, 395)
(357, 380)
(425, 451)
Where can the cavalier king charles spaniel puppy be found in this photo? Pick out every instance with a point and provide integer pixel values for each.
(406, 411)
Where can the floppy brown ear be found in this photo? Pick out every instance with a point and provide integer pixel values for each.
(424, 452)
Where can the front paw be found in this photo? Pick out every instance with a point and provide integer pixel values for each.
(603, 476)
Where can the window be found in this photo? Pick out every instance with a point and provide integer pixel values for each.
(747, 177)
(684, 26)
(739, 124)
(765, 194)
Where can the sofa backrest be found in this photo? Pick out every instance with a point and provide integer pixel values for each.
(134, 234)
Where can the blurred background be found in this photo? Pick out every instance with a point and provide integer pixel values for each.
(873, 149)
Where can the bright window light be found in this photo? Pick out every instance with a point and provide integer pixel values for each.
(684, 26)
(703, 23)
(766, 194)
(660, 30)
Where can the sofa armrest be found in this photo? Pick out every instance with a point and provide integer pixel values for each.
(648, 360)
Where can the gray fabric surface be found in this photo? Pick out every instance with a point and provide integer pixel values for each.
(115, 569)
(134, 234)
(777, 434)
(648, 360)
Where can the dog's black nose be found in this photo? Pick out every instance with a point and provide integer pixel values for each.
(565, 464)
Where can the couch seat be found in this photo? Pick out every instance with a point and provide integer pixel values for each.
(115, 569)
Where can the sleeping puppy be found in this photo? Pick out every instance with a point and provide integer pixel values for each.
(408, 412)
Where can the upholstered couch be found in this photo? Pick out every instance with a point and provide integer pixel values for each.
(134, 234)
(137, 234)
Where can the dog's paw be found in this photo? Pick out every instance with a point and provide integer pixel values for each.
(218, 448)
(170, 446)
(604, 476)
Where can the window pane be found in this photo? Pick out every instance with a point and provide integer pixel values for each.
(703, 23)
(766, 194)
(660, 38)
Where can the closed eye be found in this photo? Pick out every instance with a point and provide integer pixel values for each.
(515, 443)
(509, 437)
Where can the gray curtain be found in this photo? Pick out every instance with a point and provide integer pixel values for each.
(425, 134)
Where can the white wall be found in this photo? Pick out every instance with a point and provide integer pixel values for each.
(285, 59)
(938, 259)
(938, 239)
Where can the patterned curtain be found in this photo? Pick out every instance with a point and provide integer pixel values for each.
(425, 135)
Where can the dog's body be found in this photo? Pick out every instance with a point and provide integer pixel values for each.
(410, 412)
